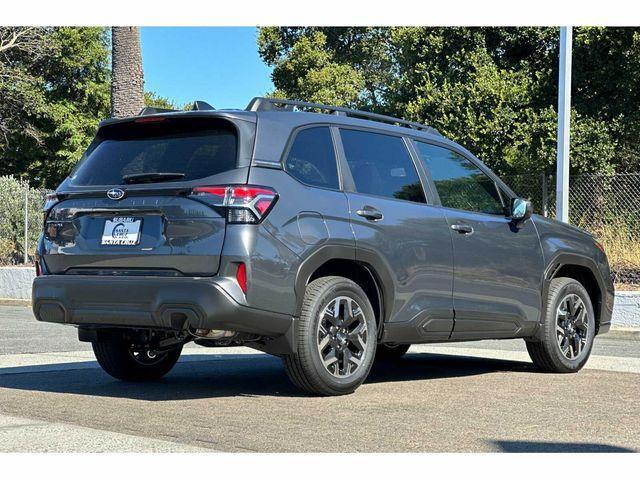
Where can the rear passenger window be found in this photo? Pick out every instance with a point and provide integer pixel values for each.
(381, 165)
(312, 159)
(459, 182)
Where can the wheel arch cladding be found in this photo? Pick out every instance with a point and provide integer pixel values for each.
(579, 269)
(363, 275)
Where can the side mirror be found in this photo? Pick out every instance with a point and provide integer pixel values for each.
(521, 210)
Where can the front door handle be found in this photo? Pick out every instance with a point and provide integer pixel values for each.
(463, 229)
(370, 213)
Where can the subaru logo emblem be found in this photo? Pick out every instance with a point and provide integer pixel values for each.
(115, 194)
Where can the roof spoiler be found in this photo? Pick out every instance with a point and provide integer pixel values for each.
(198, 105)
(155, 111)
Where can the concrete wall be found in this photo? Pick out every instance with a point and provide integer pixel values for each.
(626, 310)
(15, 283)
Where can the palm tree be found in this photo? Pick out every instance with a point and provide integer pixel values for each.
(127, 79)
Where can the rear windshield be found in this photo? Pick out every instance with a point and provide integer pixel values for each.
(195, 147)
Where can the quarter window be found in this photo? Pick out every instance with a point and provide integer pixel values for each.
(312, 159)
(459, 182)
(381, 165)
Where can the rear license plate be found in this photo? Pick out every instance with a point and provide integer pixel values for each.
(121, 231)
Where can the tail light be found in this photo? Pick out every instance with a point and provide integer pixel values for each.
(38, 269)
(49, 201)
(244, 203)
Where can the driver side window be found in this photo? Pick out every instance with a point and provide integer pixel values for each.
(459, 182)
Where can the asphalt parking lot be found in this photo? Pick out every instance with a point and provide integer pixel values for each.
(480, 396)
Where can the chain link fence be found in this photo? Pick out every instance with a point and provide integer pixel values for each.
(20, 220)
(606, 205)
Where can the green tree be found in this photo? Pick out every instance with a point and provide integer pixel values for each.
(494, 90)
(152, 99)
(309, 72)
(54, 89)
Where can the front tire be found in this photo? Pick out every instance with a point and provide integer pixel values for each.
(120, 360)
(336, 338)
(568, 330)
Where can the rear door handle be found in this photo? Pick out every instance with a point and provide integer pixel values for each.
(463, 229)
(370, 213)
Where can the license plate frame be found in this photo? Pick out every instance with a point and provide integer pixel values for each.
(121, 231)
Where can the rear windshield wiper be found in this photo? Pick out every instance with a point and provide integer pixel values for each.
(151, 177)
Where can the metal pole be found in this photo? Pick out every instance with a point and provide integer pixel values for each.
(26, 224)
(564, 117)
(545, 195)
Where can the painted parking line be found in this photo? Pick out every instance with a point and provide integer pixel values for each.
(19, 434)
(596, 362)
(58, 361)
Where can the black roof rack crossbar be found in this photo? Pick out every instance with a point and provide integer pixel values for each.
(261, 104)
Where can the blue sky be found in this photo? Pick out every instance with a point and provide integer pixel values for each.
(219, 65)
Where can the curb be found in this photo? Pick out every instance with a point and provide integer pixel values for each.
(15, 302)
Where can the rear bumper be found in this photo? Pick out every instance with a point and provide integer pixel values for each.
(149, 302)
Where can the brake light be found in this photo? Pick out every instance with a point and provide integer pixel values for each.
(149, 119)
(244, 203)
(241, 277)
(38, 269)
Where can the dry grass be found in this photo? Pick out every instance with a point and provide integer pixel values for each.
(623, 251)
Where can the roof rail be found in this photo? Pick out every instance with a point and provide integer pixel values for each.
(261, 104)
(198, 105)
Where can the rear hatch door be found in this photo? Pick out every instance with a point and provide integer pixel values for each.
(124, 210)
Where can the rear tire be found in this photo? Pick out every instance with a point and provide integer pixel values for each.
(568, 331)
(336, 338)
(391, 351)
(117, 358)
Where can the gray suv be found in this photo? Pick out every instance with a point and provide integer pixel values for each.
(329, 237)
